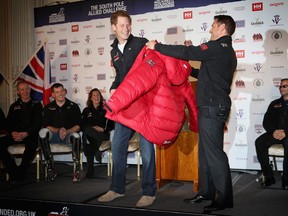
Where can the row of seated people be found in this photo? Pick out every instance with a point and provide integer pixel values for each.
(60, 121)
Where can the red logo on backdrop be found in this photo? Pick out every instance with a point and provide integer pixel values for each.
(187, 15)
(63, 66)
(257, 6)
(240, 53)
(74, 28)
(188, 43)
(75, 53)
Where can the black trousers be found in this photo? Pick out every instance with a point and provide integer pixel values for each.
(31, 144)
(95, 140)
(262, 144)
(214, 171)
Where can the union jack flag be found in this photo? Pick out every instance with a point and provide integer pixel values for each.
(37, 73)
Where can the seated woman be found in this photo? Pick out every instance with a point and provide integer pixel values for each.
(95, 128)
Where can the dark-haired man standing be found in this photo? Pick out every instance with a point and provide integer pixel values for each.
(218, 63)
(125, 49)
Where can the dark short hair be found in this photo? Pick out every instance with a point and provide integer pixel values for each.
(284, 79)
(119, 13)
(228, 21)
(56, 85)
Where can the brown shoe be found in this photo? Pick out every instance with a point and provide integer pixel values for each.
(145, 201)
(109, 196)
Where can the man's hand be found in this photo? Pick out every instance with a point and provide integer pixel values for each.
(99, 129)
(151, 45)
(279, 134)
(19, 136)
(62, 133)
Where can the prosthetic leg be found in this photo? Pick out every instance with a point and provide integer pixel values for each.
(78, 174)
(50, 173)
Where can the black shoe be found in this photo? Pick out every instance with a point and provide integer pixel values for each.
(21, 174)
(90, 173)
(13, 181)
(268, 181)
(98, 156)
(284, 183)
(16, 177)
(214, 206)
(51, 175)
(197, 199)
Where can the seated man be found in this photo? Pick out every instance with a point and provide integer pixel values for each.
(23, 123)
(275, 123)
(61, 124)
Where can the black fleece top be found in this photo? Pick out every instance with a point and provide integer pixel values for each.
(24, 117)
(66, 116)
(276, 116)
(96, 117)
(122, 62)
(218, 64)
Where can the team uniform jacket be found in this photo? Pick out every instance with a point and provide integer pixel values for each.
(152, 97)
(276, 116)
(96, 117)
(25, 117)
(218, 63)
(66, 116)
(122, 62)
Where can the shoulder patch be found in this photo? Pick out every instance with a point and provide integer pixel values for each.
(203, 46)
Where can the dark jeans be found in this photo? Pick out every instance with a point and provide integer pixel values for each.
(120, 141)
(262, 145)
(31, 144)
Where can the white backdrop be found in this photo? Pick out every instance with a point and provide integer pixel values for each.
(80, 54)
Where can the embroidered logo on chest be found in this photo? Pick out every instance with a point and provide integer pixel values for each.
(203, 46)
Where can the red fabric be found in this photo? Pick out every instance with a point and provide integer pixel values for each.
(152, 98)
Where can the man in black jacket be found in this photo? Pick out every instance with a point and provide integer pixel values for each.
(218, 64)
(23, 124)
(125, 49)
(275, 123)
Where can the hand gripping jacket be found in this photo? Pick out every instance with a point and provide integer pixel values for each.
(152, 98)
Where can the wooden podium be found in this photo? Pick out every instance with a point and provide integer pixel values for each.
(178, 161)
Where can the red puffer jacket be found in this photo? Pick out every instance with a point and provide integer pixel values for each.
(151, 99)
